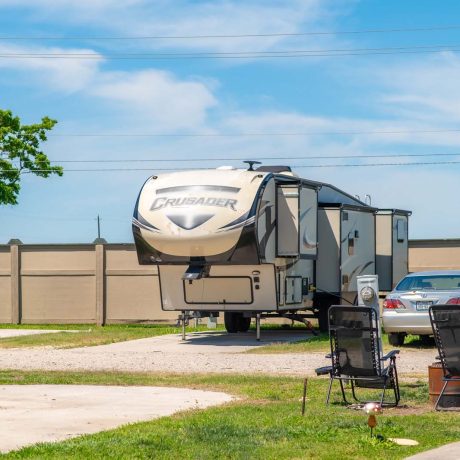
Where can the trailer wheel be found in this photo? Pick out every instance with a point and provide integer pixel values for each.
(231, 321)
(243, 324)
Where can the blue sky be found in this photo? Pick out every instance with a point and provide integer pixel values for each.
(408, 92)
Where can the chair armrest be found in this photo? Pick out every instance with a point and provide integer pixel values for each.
(323, 370)
(390, 355)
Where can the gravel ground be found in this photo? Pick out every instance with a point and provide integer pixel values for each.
(202, 353)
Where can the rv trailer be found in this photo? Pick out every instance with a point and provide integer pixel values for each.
(252, 242)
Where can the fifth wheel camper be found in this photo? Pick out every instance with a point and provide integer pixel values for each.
(246, 242)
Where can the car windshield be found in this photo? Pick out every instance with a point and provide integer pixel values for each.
(432, 282)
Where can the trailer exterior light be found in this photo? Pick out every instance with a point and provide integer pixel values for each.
(393, 304)
(454, 301)
(367, 293)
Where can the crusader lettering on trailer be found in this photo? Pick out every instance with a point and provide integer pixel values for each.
(164, 202)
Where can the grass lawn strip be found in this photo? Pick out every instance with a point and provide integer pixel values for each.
(88, 335)
(320, 343)
(265, 423)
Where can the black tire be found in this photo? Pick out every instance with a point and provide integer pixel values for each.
(244, 323)
(236, 322)
(231, 322)
(427, 340)
(396, 339)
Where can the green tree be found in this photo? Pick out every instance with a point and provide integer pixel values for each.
(20, 153)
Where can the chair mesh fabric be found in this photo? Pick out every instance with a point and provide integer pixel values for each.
(446, 328)
(354, 341)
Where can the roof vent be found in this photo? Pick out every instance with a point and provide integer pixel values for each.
(274, 169)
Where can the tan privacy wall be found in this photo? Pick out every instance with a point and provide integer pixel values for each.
(81, 283)
(434, 255)
(103, 283)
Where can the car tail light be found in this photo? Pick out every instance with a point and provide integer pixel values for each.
(393, 304)
(454, 301)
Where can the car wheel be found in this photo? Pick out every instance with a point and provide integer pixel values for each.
(396, 339)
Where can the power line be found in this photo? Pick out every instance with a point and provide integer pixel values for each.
(247, 35)
(224, 53)
(256, 134)
(321, 157)
(264, 158)
(239, 54)
(355, 165)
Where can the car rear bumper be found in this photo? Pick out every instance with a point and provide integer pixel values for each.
(416, 323)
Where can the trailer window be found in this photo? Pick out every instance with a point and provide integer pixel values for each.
(351, 245)
(400, 230)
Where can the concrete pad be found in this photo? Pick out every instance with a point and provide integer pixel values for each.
(211, 342)
(6, 333)
(447, 452)
(48, 413)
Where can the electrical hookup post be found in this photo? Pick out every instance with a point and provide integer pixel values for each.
(368, 296)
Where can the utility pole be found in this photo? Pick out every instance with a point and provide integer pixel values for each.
(98, 227)
(99, 240)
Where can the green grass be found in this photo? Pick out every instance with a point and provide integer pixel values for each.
(264, 423)
(88, 335)
(320, 343)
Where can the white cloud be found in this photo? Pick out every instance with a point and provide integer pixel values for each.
(167, 102)
(151, 98)
(423, 89)
(191, 18)
(67, 75)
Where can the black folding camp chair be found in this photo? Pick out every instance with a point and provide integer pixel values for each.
(445, 321)
(357, 356)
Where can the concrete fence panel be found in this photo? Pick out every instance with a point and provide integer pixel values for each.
(58, 284)
(427, 255)
(132, 290)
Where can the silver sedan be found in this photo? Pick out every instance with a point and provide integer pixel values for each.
(405, 309)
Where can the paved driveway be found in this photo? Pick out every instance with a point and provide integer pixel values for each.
(46, 413)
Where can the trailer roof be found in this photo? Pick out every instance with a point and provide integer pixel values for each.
(394, 211)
